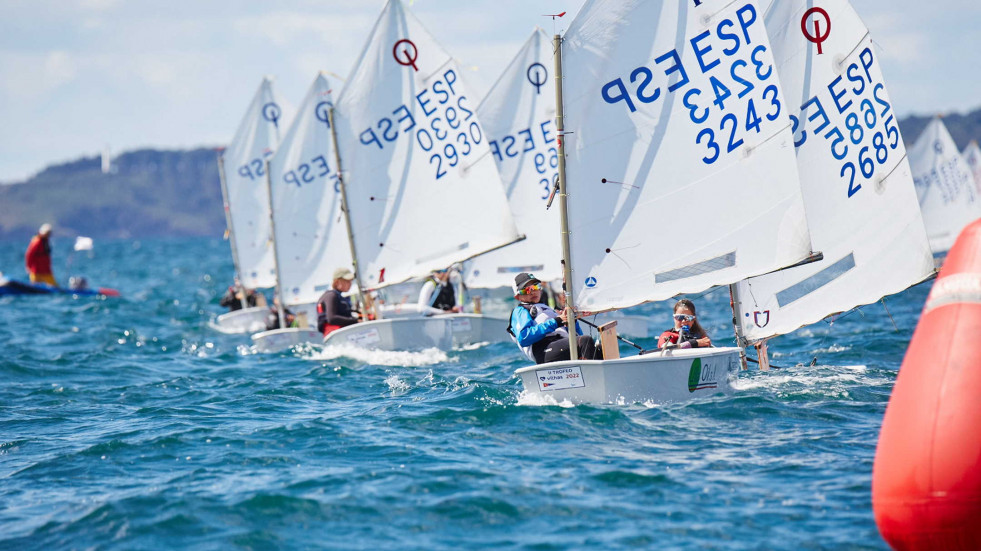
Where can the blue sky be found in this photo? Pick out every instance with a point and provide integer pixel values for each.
(76, 75)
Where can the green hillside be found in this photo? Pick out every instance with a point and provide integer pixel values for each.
(147, 193)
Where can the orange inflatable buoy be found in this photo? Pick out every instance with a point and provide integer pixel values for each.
(926, 482)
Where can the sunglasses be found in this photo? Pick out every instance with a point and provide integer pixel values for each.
(684, 317)
(532, 288)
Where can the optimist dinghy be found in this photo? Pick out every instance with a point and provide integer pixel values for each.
(245, 320)
(419, 187)
(304, 208)
(247, 202)
(677, 173)
(859, 194)
(944, 185)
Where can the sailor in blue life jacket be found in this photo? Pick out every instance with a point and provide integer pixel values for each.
(540, 331)
(438, 292)
(687, 332)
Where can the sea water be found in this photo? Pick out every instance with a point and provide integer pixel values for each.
(129, 424)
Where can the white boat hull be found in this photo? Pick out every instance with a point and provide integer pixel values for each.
(418, 333)
(672, 376)
(398, 311)
(278, 340)
(246, 320)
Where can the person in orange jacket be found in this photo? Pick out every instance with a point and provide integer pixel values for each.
(37, 259)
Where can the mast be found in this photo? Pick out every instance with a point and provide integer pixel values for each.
(272, 229)
(570, 307)
(347, 216)
(741, 341)
(228, 223)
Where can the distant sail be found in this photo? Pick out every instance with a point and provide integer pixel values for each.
(106, 160)
(681, 166)
(944, 186)
(422, 187)
(861, 205)
(245, 172)
(972, 156)
(311, 238)
(518, 115)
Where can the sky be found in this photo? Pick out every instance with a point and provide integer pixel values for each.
(77, 76)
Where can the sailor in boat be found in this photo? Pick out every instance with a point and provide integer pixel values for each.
(78, 283)
(272, 318)
(438, 292)
(232, 298)
(37, 259)
(687, 332)
(333, 308)
(540, 331)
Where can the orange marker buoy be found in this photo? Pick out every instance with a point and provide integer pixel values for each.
(926, 483)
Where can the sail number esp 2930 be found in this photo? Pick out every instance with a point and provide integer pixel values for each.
(729, 89)
(446, 130)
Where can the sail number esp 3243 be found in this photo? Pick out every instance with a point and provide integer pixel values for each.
(729, 89)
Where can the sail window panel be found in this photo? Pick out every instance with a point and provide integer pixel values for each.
(716, 264)
(816, 281)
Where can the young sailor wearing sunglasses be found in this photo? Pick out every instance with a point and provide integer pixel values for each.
(686, 329)
(540, 331)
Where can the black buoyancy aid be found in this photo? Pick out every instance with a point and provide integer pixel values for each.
(443, 296)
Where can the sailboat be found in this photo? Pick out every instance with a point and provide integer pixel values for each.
(944, 186)
(972, 156)
(518, 116)
(862, 207)
(418, 180)
(309, 239)
(677, 173)
(242, 170)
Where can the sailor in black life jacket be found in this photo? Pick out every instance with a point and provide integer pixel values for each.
(438, 292)
(687, 332)
(333, 308)
(272, 317)
(233, 297)
(540, 331)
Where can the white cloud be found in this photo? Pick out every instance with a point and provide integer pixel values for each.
(35, 75)
(180, 73)
(285, 28)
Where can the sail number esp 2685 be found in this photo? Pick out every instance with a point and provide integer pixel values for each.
(733, 92)
(869, 131)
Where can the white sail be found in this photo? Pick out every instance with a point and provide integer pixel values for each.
(861, 205)
(245, 174)
(944, 186)
(518, 115)
(681, 168)
(311, 238)
(972, 156)
(423, 190)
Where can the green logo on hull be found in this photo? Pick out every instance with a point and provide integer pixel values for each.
(694, 374)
